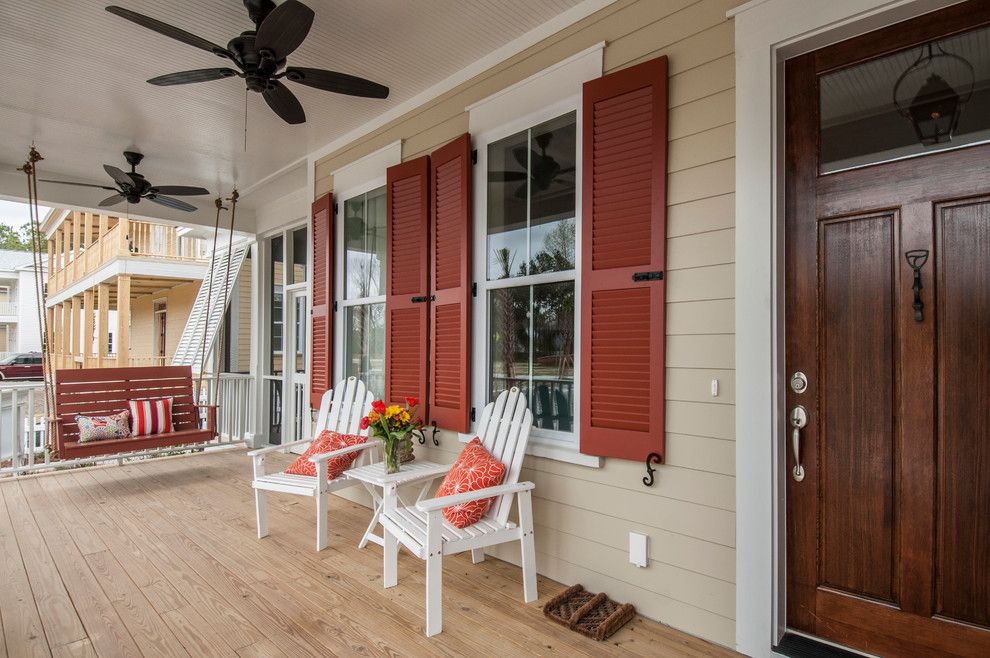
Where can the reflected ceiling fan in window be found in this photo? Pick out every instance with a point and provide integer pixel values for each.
(544, 169)
(132, 187)
(260, 55)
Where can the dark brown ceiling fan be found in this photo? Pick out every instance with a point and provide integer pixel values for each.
(260, 56)
(132, 187)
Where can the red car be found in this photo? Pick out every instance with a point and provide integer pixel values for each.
(21, 366)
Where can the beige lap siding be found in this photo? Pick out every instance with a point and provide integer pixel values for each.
(584, 515)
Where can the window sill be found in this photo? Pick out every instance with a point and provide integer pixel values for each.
(537, 448)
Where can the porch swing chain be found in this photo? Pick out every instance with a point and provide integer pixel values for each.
(218, 202)
(218, 353)
(41, 297)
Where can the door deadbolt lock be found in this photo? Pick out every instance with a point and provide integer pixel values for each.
(799, 382)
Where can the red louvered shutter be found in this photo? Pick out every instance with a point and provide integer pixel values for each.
(450, 281)
(407, 280)
(624, 181)
(321, 356)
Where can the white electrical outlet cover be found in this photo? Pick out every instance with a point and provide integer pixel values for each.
(637, 549)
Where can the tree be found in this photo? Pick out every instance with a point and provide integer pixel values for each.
(17, 239)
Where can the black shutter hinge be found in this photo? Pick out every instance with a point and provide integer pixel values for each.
(421, 299)
(472, 414)
(647, 276)
(474, 156)
(474, 289)
(335, 306)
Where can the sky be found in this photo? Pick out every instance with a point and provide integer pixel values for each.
(15, 214)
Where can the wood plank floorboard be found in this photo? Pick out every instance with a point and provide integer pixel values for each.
(160, 558)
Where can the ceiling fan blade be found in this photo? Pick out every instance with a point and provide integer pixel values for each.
(65, 182)
(521, 154)
(169, 202)
(505, 176)
(284, 29)
(169, 31)
(112, 200)
(179, 190)
(284, 103)
(340, 83)
(187, 77)
(122, 179)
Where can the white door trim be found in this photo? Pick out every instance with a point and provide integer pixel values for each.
(767, 33)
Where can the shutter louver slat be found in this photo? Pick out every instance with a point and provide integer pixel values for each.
(407, 276)
(450, 317)
(623, 232)
(321, 354)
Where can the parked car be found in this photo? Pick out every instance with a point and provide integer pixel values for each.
(26, 365)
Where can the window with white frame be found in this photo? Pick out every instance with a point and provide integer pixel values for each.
(527, 297)
(362, 306)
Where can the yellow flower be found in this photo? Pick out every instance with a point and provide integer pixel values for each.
(404, 416)
(394, 410)
(373, 417)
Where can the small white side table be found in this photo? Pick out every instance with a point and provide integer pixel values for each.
(384, 488)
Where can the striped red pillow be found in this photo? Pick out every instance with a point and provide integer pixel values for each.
(151, 416)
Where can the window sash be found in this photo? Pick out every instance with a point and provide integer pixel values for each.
(481, 351)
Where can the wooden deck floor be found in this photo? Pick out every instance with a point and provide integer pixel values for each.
(159, 558)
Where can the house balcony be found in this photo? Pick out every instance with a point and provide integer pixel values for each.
(85, 243)
(8, 311)
(159, 557)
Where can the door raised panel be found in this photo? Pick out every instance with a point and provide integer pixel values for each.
(856, 451)
(962, 575)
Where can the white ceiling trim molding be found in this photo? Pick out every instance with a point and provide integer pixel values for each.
(509, 50)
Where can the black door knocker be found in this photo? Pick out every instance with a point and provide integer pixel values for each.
(917, 258)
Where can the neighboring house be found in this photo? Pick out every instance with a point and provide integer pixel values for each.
(120, 290)
(19, 331)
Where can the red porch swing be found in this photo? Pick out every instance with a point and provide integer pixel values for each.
(106, 391)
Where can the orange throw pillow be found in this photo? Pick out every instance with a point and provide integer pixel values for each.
(327, 441)
(475, 469)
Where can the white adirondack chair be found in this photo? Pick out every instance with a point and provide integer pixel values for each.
(504, 431)
(341, 410)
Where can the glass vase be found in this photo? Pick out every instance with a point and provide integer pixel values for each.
(392, 455)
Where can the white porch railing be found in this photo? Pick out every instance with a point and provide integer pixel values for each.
(23, 430)
(8, 308)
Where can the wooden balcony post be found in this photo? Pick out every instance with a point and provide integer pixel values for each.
(65, 344)
(123, 231)
(76, 324)
(87, 327)
(103, 335)
(77, 233)
(49, 339)
(56, 328)
(102, 227)
(122, 340)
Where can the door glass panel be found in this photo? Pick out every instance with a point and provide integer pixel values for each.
(277, 273)
(299, 321)
(300, 253)
(921, 100)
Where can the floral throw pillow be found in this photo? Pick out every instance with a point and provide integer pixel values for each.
(475, 469)
(327, 441)
(98, 428)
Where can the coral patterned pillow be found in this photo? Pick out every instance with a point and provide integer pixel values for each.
(475, 469)
(327, 441)
(150, 416)
(98, 428)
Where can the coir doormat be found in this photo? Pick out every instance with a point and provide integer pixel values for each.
(594, 615)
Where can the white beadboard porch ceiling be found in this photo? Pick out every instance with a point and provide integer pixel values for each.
(74, 81)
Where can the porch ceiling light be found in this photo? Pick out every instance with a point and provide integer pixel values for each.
(935, 109)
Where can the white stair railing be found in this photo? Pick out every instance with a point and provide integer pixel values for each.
(207, 310)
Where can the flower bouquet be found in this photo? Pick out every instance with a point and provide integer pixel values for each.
(394, 425)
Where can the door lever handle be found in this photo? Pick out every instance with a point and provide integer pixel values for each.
(799, 418)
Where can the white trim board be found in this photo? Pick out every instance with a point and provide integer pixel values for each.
(768, 32)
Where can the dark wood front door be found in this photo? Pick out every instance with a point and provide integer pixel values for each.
(888, 532)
